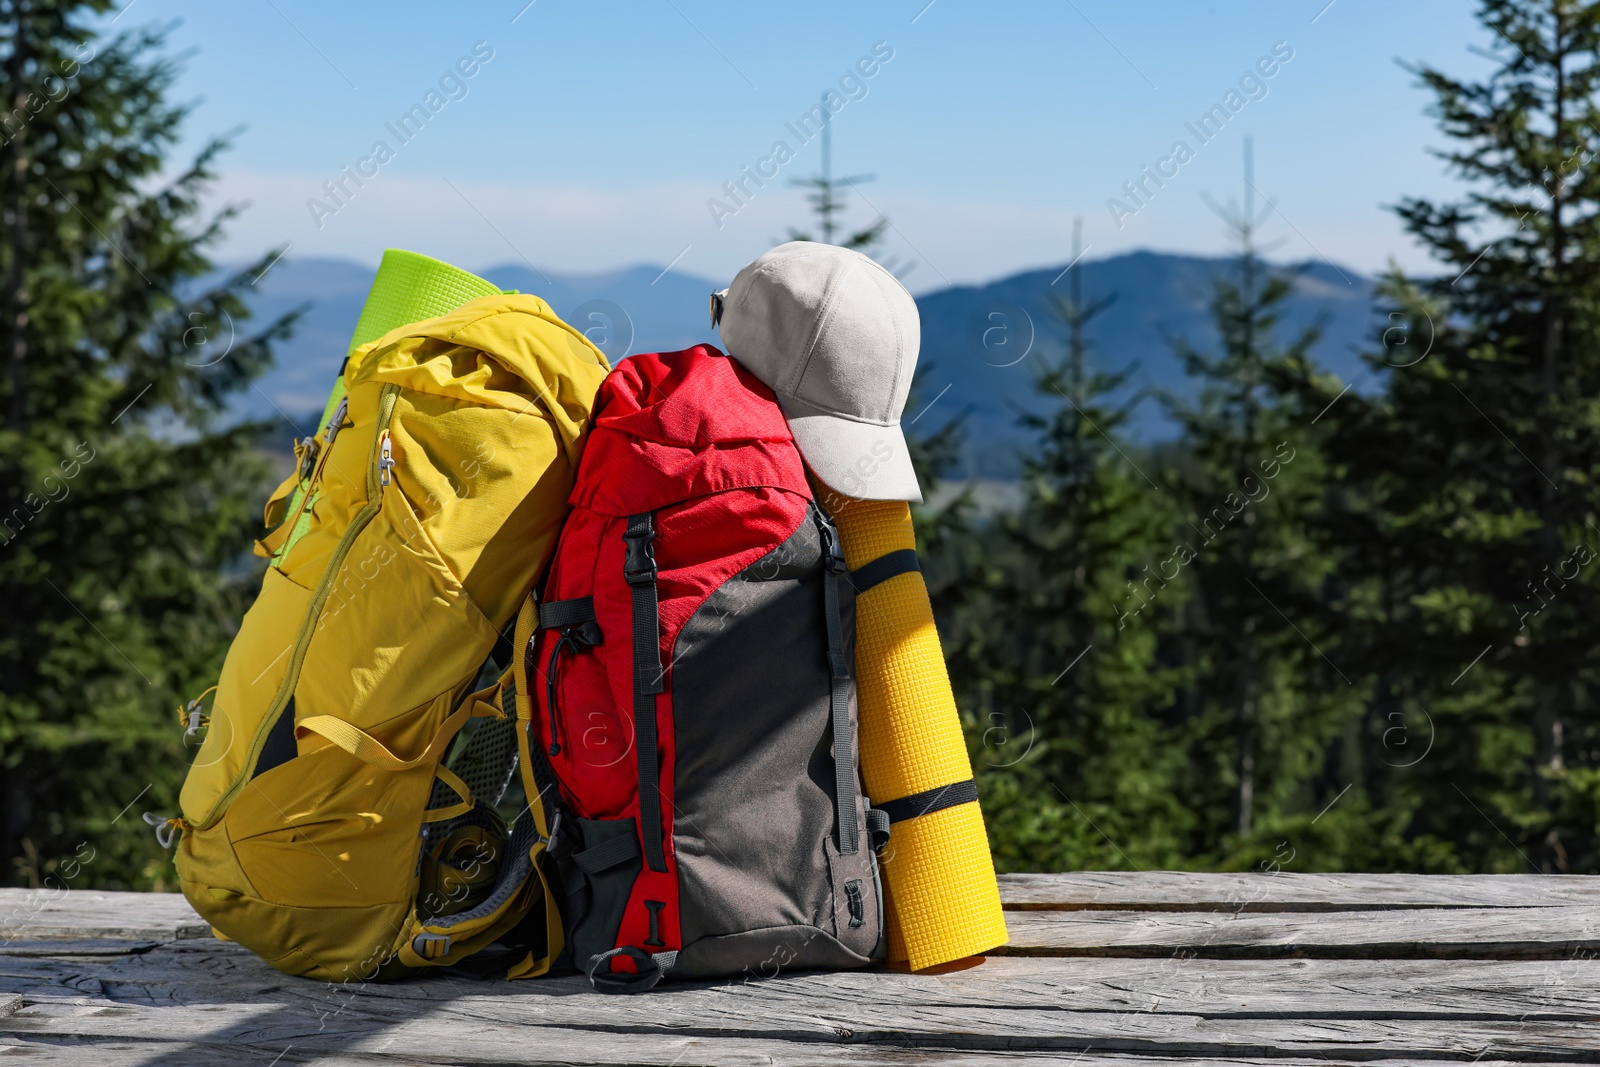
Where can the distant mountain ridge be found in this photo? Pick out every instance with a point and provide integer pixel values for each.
(980, 344)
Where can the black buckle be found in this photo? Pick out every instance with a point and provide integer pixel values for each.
(639, 565)
(553, 843)
(832, 553)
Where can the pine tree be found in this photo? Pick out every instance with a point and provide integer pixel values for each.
(125, 501)
(1266, 700)
(1468, 491)
(1067, 701)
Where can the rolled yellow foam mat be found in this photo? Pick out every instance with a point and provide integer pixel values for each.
(944, 903)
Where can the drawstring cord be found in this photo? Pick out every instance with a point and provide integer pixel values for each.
(167, 829)
(190, 718)
(551, 676)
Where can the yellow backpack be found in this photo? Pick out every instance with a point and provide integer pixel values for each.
(321, 825)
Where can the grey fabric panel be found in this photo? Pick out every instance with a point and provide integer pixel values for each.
(754, 821)
(765, 953)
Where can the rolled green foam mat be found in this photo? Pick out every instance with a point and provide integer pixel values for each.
(408, 287)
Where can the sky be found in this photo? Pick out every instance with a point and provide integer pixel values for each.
(595, 135)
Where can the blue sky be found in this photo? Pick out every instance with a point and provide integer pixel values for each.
(597, 133)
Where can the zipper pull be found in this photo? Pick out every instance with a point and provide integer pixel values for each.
(385, 459)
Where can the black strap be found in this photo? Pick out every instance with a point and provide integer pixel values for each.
(651, 970)
(639, 569)
(880, 570)
(877, 828)
(844, 756)
(930, 801)
(607, 854)
(559, 613)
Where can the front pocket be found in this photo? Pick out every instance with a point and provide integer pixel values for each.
(395, 624)
(326, 830)
(600, 881)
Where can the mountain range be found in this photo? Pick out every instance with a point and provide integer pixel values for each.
(981, 345)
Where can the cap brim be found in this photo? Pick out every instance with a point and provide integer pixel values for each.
(856, 459)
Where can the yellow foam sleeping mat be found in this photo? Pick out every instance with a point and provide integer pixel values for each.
(944, 901)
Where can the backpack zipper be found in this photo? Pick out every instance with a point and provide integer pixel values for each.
(308, 625)
(312, 458)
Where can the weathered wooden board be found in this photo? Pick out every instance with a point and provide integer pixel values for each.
(1120, 970)
(1284, 891)
(498, 1029)
(197, 972)
(58, 914)
(667, 1052)
(1466, 933)
(45, 914)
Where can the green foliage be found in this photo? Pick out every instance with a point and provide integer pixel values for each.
(1465, 507)
(1375, 649)
(125, 505)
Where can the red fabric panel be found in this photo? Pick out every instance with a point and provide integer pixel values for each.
(675, 425)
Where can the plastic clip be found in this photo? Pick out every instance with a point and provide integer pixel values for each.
(832, 553)
(424, 945)
(639, 564)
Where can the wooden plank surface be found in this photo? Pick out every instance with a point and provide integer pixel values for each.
(1466, 933)
(1285, 891)
(70, 914)
(493, 1028)
(46, 914)
(660, 1052)
(198, 973)
(1123, 970)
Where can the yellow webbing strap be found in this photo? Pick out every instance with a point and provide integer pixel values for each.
(555, 937)
(527, 623)
(421, 946)
(368, 749)
(277, 506)
(466, 804)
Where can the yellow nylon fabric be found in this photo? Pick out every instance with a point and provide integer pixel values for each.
(426, 521)
(944, 900)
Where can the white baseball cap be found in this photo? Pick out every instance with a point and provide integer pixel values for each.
(836, 336)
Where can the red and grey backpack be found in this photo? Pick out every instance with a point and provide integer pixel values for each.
(695, 714)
